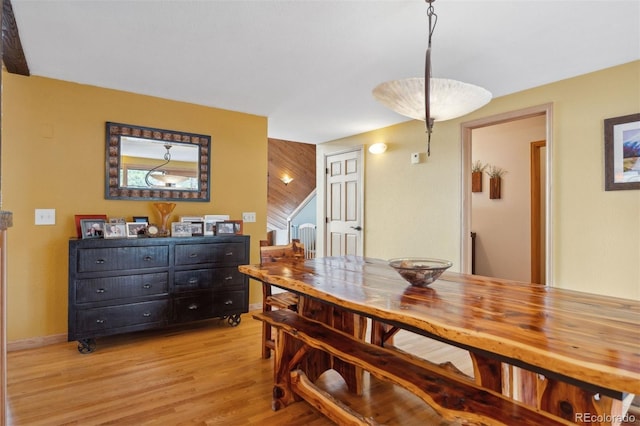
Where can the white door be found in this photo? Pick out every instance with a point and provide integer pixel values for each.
(343, 211)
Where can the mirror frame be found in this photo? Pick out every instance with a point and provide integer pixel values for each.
(113, 190)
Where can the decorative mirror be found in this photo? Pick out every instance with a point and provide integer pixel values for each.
(144, 163)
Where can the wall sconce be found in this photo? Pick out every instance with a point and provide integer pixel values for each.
(286, 179)
(378, 148)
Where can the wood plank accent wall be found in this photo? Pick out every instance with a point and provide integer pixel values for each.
(297, 160)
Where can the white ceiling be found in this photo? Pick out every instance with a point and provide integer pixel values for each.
(310, 66)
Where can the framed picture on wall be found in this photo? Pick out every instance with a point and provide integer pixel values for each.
(622, 152)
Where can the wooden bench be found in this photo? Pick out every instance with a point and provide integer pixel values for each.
(451, 395)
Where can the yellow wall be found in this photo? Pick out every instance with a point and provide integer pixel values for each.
(414, 210)
(53, 156)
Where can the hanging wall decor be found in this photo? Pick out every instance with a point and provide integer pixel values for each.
(495, 181)
(622, 152)
(476, 175)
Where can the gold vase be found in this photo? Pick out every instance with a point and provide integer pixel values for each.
(164, 212)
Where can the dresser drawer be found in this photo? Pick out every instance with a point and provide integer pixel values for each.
(119, 258)
(220, 253)
(193, 308)
(111, 317)
(113, 288)
(229, 302)
(215, 278)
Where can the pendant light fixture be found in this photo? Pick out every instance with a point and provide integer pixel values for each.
(439, 100)
(167, 179)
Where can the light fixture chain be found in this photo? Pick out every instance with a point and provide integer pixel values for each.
(433, 20)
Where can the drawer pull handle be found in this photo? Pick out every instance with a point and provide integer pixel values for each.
(100, 261)
(193, 307)
(146, 314)
(148, 258)
(192, 255)
(228, 302)
(229, 253)
(100, 290)
(193, 280)
(146, 286)
(229, 278)
(99, 321)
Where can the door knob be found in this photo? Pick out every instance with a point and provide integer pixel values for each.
(357, 228)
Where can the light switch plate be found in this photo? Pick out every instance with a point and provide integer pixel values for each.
(45, 216)
(249, 217)
(415, 158)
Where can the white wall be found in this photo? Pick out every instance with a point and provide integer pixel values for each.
(503, 226)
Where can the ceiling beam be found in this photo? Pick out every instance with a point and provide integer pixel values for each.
(12, 53)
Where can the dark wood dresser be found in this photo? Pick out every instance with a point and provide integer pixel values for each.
(124, 285)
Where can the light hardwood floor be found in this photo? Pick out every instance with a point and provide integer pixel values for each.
(207, 374)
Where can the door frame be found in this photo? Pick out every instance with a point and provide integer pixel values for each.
(321, 186)
(465, 193)
(536, 190)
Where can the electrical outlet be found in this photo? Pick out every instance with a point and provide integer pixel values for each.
(249, 217)
(45, 216)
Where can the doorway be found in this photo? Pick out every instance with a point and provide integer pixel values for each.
(343, 192)
(506, 245)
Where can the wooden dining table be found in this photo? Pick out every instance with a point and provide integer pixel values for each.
(575, 355)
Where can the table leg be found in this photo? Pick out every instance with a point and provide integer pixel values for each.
(487, 372)
(317, 362)
(578, 405)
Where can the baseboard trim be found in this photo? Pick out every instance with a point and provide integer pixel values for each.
(255, 307)
(35, 342)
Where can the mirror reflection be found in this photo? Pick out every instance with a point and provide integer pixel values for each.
(148, 163)
(155, 164)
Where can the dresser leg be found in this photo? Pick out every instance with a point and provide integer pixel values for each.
(86, 346)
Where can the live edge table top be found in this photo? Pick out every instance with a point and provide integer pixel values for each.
(583, 337)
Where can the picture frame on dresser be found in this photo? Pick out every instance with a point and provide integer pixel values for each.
(197, 229)
(115, 230)
(229, 227)
(210, 227)
(79, 217)
(181, 229)
(136, 229)
(92, 228)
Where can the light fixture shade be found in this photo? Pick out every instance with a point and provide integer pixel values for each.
(168, 179)
(449, 98)
(378, 148)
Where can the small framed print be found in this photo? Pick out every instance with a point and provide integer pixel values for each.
(210, 227)
(141, 219)
(229, 227)
(181, 229)
(197, 229)
(117, 220)
(622, 152)
(136, 229)
(115, 230)
(79, 217)
(216, 217)
(92, 228)
(191, 219)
